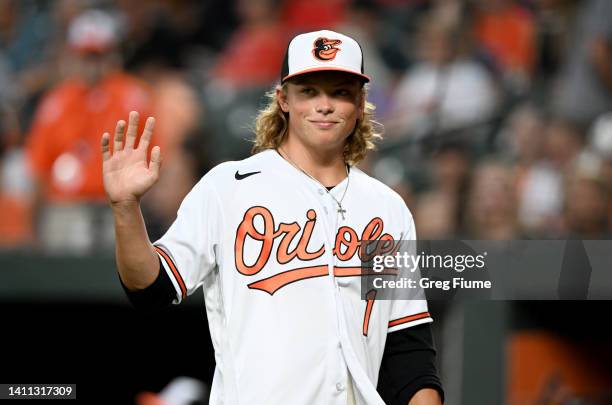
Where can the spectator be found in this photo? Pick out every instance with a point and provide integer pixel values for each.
(439, 208)
(564, 142)
(63, 143)
(586, 201)
(538, 184)
(506, 31)
(435, 216)
(447, 89)
(585, 84)
(450, 165)
(491, 205)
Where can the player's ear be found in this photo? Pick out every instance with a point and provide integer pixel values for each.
(281, 96)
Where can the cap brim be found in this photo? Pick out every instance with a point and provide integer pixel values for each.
(326, 69)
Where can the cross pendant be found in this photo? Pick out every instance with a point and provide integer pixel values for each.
(341, 211)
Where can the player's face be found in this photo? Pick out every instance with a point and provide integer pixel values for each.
(323, 108)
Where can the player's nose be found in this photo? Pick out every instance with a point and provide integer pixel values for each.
(324, 104)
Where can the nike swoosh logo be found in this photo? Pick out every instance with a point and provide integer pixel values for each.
(239, 176)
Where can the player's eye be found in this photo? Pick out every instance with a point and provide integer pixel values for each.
(307, 90)
(342, 93)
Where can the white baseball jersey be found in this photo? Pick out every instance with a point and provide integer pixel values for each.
(281, 271)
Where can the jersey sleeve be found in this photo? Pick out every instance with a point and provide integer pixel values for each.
(408, 311)
(189, 248)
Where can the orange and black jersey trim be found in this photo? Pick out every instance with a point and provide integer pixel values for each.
(172, 266)
(409, 318)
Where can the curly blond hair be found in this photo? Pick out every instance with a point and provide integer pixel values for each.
(271, 126)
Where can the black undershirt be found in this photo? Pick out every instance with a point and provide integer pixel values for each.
(155, 297)
(408, 365)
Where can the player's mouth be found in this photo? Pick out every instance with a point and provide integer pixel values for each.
(323, 124)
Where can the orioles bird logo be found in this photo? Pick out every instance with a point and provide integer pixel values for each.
(324, 49)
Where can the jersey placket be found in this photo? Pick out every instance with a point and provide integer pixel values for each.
(329, 220)
(350, 359)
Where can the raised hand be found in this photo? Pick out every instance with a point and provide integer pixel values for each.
(126, 172)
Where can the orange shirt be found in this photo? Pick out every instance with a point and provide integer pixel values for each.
(510, 36)
(16, 226)
(63, 146)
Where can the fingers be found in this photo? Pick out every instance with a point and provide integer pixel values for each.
(132, 130)
(119, 129)
(130, 138)
(155, 163)
(105, 146)
(130, 135)
(145, 138)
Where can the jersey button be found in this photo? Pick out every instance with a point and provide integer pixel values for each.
(339, 387)
(321, 191)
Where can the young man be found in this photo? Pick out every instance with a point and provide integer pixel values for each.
(273, 240)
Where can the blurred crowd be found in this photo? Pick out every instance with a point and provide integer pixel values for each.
(497, 113)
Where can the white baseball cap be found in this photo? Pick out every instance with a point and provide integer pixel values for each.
(322, 51)
(93, 31)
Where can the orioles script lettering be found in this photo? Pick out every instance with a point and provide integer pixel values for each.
(347, 244)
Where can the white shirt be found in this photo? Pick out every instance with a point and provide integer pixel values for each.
(463, 91)
(284, 308)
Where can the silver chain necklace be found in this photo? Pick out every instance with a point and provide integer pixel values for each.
(340, 210)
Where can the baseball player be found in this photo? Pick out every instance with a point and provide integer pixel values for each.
(274, 242)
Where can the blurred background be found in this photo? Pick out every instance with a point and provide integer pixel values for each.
(498, 125)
